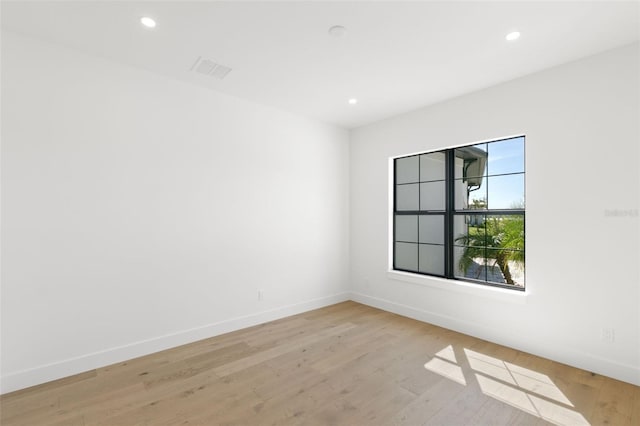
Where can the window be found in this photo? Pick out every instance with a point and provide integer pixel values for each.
(459, 213)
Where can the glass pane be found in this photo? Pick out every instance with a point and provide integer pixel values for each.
(406, 256)
(458, 167)
(469, 230)
(407, 197)
(432, 196)
(432, 166)
(431, 259)
(469, 246)
(506, 156)
(407, 228)
(505, 267)
(505, 232)
(506, 192)
(407, 169)
(432, 229)
(474, 161)
(469, 262)
(460, 229)
(470, 196)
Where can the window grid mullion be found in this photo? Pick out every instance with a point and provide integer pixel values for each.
(449, 170)
(419, 208)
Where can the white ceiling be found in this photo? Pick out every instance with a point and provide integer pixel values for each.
(395, 57)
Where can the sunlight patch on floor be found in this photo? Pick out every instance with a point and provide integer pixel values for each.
(521, 377)
(558, 414)
(543, 408)
(507, 394)
(522, 388)
(448, 354)
(446, 369)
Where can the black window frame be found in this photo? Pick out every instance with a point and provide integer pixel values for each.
(450, 212)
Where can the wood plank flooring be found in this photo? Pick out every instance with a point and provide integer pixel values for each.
(346, 364)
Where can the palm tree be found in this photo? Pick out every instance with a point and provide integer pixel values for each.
(501, 235)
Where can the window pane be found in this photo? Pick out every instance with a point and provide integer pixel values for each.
(432, 166)
(406, 256)
(407, 197)
(432, 196)
(506, 192)
(494, 274)
(407, 169)
(469, 262)
(407, 228)
(431, 259)
(469, 247)
(458, 167)
(505, 232)
(474, 162)
(470, 197)
(505, 267)
(469, 230)
(506, 156)
(460, 229)
(432, 229)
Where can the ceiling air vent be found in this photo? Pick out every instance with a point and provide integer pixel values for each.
(210, 68)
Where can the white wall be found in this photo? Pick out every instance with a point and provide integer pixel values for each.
(582, 126)
(139, 213)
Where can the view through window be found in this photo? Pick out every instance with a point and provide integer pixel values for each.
(460, 213)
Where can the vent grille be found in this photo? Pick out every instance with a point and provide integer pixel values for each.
(210, 68)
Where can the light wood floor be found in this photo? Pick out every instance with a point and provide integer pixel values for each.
(346, 364)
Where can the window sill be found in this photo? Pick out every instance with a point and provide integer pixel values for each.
(496, 293)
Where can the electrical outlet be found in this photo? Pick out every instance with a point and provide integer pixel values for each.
(260, 294)
(608, 335)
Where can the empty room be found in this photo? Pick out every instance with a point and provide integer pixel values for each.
(320, 213)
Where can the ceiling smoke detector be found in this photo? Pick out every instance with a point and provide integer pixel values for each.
(210, 68)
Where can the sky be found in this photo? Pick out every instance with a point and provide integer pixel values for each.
(503, 157)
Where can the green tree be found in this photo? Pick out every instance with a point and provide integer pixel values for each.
(502, 236)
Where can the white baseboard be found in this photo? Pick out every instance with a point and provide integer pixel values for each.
(555, 351)
(45, 373)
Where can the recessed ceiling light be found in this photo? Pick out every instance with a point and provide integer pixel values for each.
(513, 36)
(337, 31)
(147, 22)
(353, 101)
